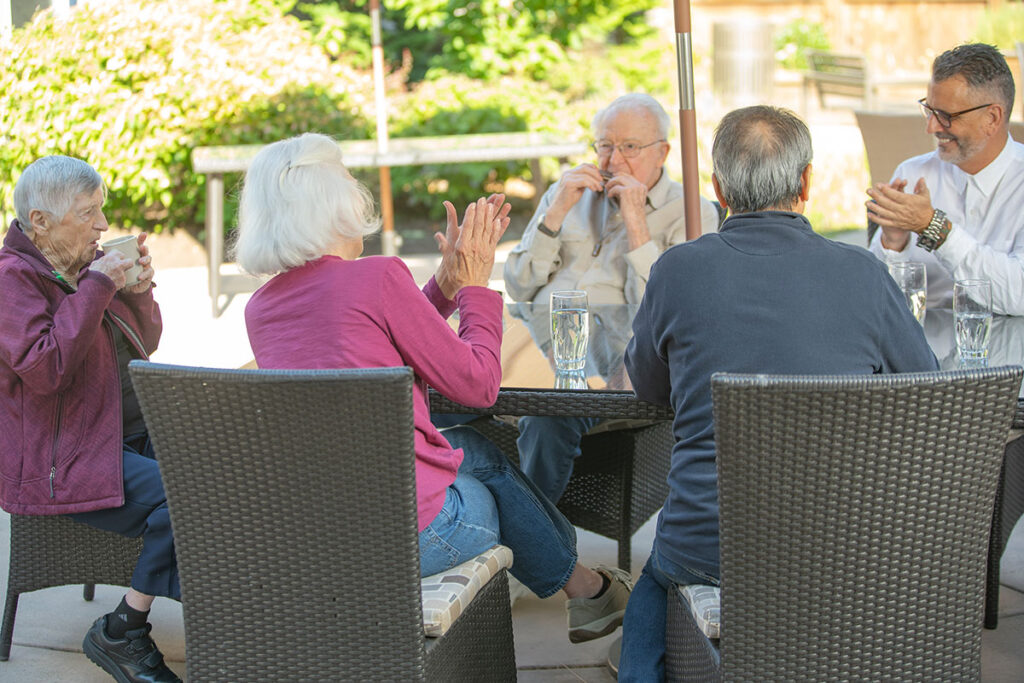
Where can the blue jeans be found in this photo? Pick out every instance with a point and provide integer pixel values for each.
(145, 514)
(492, 502)
(643, 628)
(547, 448)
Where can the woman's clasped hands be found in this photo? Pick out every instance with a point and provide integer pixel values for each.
(467, 250)
(116, 266)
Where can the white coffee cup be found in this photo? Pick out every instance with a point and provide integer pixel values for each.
(127, 246)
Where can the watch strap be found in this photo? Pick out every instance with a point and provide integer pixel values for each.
(543, 228)
(935, 232)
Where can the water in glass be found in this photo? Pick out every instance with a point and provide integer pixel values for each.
(913, 282)
(972, 319)
(972, 334)
(569, 329)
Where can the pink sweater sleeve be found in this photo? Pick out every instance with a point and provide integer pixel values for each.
(465, 366)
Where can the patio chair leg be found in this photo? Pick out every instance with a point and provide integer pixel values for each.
(89, 592)
(625, 552)
(995, 552)
(7, 628)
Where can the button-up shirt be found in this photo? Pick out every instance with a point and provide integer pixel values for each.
(987, 238)
(612, 274)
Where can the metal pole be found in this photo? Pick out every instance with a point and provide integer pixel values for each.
(687, 119)
(388, 238)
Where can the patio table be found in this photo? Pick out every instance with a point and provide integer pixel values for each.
(528, 389)
(528, 380)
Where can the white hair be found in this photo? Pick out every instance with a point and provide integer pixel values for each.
(298, 201)
(51, 184)
(632, 102)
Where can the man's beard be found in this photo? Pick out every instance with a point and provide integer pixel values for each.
(961, 149)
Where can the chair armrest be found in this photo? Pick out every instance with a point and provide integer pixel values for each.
(448, 594)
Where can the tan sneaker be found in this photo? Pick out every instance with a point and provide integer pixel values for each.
(591, 618)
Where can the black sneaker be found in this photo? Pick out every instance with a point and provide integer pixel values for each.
(132, 659)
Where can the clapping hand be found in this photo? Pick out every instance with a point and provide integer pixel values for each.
(899, 212)
(467, 250)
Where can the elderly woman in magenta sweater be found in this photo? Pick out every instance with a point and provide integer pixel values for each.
(302, 219)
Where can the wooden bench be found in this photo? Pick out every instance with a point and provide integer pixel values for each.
(848, 76)
(214, 162)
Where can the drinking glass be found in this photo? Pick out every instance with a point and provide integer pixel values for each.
(569, 329)
(570, 379)
(972, 318)
(913, 282)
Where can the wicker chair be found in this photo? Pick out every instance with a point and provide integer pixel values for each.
(855, 515)
(617, 483)
(55, 551)
(292, 495)
(1009, 508)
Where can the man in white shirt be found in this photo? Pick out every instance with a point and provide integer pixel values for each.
(966, 199)
(600, 228)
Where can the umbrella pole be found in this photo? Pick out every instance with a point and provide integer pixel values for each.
(687, 119)
(388, 238)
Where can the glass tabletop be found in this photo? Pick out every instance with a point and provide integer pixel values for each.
(526, 359)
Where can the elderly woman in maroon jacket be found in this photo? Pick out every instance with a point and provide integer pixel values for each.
(75, 442)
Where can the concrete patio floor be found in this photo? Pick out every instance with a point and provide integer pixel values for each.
(51, 623)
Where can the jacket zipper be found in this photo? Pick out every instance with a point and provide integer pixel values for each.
(56, 440)
(130, 333)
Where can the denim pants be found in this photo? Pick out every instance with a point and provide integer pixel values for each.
(643, 628)
(547, 448)
(492, 502)
(145, 514)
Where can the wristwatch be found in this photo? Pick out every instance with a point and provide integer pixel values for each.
(545, 229)
(936, 231)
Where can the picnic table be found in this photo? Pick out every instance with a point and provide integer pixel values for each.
(214, 162)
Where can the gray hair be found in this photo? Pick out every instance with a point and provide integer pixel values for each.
(51, 184)
(983, 67)
(759, 155)
(298, 201)
(631, 102)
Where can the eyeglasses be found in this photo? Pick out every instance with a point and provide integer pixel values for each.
(628, 150)
(945, 119)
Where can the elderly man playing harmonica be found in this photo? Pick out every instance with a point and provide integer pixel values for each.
(599, 229)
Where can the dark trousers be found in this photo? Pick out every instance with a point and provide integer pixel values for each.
(145, 514)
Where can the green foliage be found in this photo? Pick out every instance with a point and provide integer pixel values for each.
(1001, 27)
(133, 86)
(797, 36)
(456, 105)
(492, 38)
(486, 40)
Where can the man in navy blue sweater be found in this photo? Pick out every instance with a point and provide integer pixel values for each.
(765, 294)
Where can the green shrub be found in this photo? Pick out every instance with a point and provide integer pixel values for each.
(456, 105)
(132, 86)
(489, 39)
(795, 37)
(1001, 27)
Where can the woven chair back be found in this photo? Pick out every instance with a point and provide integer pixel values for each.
(855, 514)
(292, 496)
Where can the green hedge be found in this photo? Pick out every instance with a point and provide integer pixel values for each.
(132, 86)
(455, 105)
